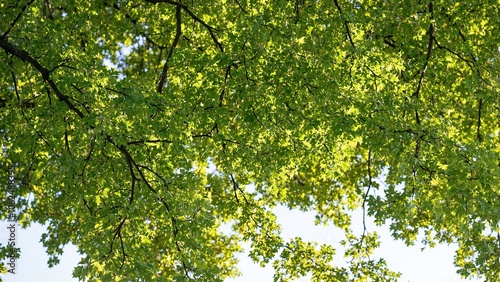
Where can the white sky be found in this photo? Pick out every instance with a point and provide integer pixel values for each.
(430, 265)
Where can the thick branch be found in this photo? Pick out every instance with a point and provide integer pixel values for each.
(26, 57)
(13, 23)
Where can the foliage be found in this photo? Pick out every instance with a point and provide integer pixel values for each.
(112, 111)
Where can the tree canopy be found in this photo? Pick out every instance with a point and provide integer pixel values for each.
(111, 112)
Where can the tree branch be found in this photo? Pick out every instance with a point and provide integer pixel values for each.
(479, 137)
(134, 178)
(241, 7)
(237, 187)
(429, 52)
(194, 17)
(143, 141)
(119, 235)
(346, 24)
(175, 227)
(178, 32)
(26, 57)
(13, 23)
(369, 170)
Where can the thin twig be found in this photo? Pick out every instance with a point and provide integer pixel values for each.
(346, 24)
(369, 169)
(237, 187)
(479, 137)
(149, 141)
(241, 7)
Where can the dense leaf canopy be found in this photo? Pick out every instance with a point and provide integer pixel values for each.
(111, 112)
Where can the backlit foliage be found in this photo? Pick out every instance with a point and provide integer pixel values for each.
(111, 112)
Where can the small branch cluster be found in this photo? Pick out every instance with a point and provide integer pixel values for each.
(178, 33)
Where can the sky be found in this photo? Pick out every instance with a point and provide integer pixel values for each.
(427, 266)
